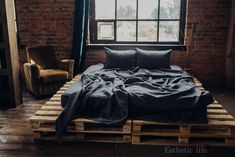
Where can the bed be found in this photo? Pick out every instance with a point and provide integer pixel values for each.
(134, 84)
(218, 131)
(120, 99)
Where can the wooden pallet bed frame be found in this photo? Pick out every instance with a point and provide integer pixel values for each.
(219, 131)
(80, 129)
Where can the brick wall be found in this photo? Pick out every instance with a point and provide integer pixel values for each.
(46, 22)
(205, 37)
(230, 54)
(207, 42)
(50, 22)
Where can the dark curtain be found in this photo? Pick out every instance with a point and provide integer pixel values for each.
(80, 33)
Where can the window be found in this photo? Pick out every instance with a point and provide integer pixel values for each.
(137, 21)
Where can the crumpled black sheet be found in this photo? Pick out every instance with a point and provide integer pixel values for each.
(111, 96)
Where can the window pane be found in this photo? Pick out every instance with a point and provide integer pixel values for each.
(148, 10)
(126, 9)
(105, 30)
(170, 9)
(147, 31)
(126, 31)
(169, 31)
(105, 9)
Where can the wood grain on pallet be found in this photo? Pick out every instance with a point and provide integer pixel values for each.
(80, 129)
(219, 131)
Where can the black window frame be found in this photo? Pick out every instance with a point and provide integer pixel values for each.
(93, 26)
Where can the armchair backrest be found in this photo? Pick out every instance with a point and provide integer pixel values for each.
(43, 56)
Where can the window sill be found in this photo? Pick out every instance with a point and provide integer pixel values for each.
(177, 47)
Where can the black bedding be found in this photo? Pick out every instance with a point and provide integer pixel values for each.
(110, 96)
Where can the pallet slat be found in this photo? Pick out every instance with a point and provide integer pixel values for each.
(220, 127)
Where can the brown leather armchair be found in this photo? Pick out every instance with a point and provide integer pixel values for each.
(43, 75)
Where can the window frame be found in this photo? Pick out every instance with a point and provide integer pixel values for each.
(93, 32)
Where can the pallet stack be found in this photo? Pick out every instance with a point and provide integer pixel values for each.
(80, 129)
(219, 131)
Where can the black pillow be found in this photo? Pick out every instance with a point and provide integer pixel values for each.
(123, 59)
(153, 59)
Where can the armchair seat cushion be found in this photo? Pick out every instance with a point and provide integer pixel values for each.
(53, 75)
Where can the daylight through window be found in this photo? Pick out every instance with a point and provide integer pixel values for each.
(137, 21)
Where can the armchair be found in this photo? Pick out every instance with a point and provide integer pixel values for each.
(43, 75)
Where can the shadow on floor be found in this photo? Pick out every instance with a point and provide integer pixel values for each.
(226, 98)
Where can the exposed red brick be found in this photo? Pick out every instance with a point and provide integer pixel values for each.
(50, 22)
(47, 22)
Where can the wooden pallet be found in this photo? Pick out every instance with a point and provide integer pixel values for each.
(219, 131)
(80, 129)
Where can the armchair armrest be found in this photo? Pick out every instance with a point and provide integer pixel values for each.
(32, 69)
(32, 75)
(67, 65)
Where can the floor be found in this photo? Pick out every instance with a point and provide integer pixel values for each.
(16, 137)
(226, 98)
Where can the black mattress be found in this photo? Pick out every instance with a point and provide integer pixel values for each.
(111, 96)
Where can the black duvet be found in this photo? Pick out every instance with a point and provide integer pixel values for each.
(110, 96)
